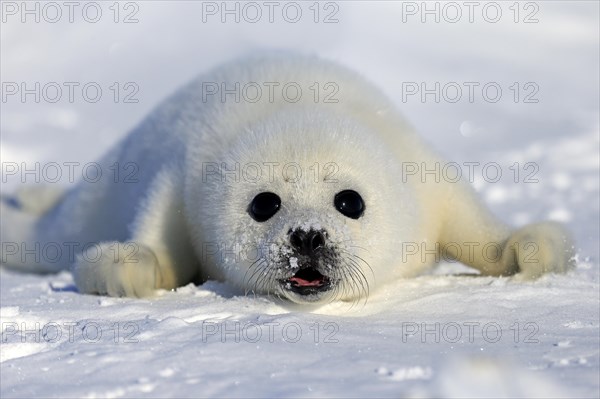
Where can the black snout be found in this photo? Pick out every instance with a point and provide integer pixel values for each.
(307, 243)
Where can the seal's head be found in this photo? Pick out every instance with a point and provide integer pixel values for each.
(302, 207)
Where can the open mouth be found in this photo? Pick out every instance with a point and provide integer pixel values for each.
(308, 281)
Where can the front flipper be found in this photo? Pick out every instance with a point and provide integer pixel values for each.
(537, 249)
(472, 235)
(117, 269)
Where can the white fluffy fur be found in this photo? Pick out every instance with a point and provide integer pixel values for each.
(173, 214)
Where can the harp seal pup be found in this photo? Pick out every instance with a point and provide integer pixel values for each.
(280, 174)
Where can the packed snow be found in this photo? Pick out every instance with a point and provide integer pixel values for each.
(445, 334)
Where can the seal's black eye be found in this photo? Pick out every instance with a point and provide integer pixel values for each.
(263, 206)
(349, 203)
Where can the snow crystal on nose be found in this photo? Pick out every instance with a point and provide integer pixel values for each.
(311, 224)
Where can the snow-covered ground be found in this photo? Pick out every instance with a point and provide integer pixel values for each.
(432, 336)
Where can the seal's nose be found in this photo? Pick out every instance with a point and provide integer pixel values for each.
(307, 243)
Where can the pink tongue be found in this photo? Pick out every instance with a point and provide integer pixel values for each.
(304, 283)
